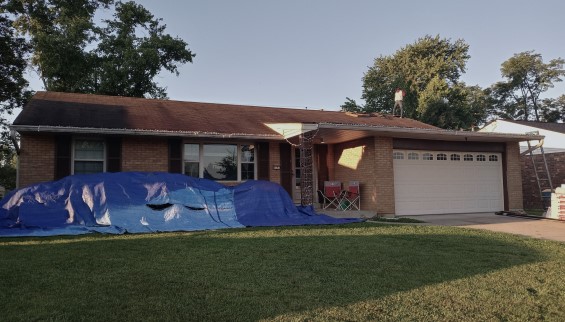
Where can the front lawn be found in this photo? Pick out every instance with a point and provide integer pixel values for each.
(364, 271)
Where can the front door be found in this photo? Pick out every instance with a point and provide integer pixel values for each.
(286, 167)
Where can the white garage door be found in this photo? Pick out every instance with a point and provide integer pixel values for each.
(436, 182)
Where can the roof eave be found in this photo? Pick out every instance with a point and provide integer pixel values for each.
(434, 134)
(109, 131)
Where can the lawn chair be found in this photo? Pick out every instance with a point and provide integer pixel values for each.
(351, 197)
(331, 194)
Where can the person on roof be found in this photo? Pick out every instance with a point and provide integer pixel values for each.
(398, 97)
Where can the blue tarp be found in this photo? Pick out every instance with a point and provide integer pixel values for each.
(137, 202)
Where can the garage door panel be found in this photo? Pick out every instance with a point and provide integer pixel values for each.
(448, 186)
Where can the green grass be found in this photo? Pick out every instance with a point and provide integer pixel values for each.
(365, 271)
(535, 212)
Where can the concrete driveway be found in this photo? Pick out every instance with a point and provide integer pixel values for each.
(537, 228)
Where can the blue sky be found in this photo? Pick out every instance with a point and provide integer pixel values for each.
(313, 53)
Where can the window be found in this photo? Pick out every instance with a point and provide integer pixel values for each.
(468, 157)
(398, 156)
(441, 156)
(88, 156)
(192, 160)
(455, 157)
(220, 162)
(427, 156)
(413, 156)
(493, 157)
(247, 162)
(481, 157)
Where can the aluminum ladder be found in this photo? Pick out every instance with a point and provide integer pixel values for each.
(543, 177)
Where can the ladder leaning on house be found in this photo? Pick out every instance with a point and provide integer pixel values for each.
(543, 177)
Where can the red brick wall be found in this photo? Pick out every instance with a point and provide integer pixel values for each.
(354, 160)
(36, 162)
(556, 166)
(514, 176)
(368, 161)
(384, 176)
(145, 154)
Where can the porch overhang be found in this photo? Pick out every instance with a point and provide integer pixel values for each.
(332, 133)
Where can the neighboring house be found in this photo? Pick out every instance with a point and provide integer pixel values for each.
(554, 150)
(404, 166)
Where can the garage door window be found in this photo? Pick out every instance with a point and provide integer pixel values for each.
(427, 156)
(455, 157)
(481, 157)
(398, 156)
(442, 156)
(468, 157)
(413, 156)
(493, 158)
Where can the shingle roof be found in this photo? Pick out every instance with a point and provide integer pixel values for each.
(53, 109)
(555, 127)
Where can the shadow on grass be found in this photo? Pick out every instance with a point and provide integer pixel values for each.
(247, 274)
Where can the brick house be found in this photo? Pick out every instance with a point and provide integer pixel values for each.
(554, 150)
(404, 166)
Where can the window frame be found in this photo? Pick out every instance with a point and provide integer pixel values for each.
(73, 153)
(238, 145)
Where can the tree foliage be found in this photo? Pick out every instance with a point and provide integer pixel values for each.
(526, 78)
(13, 91)
(429, 71)
(553, 109)
(13, 52)
(73, 54)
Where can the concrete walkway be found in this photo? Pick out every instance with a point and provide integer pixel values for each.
(537, 228)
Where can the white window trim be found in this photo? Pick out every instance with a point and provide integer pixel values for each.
(73, 159)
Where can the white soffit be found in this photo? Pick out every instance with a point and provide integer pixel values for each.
(289, 130)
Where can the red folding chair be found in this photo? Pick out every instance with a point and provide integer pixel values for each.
(351, 198)
(331, 194)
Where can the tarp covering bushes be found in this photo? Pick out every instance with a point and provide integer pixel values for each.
(137, 202)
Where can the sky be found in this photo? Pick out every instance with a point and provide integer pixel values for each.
(313, 53)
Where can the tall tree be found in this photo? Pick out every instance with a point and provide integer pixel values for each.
(60, 32)
(526, 77)
(429, 71)
(73, 54)
(13, 52)
(128, 63)
(13, 90)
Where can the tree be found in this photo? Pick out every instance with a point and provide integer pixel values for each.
(129, 63)
(13, 51)
(527, 76)
(428, 71)
(13, 91)
(553, 110)
(351, 105)
(60, 33)
(72, 54)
